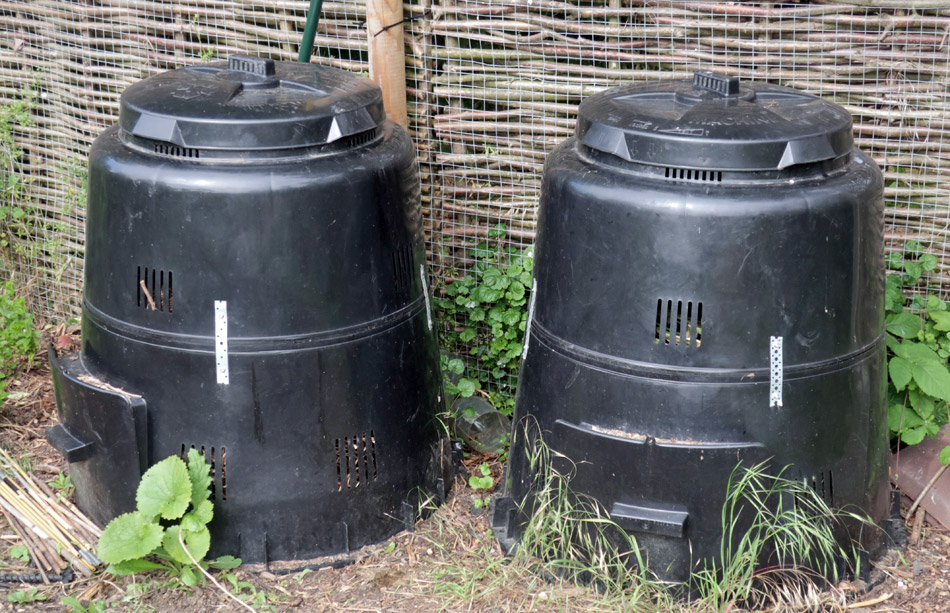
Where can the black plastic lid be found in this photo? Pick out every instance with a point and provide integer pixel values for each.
(714, 122)
(250, 103)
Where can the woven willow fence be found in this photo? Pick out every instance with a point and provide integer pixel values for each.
(492, 87)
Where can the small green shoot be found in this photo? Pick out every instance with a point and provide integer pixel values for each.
(63, 486)
(19, 552)
(26, 596)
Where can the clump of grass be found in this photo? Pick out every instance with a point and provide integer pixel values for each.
(574, 537)
(779, 543)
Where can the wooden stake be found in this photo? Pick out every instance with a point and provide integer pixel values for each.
(387, 55)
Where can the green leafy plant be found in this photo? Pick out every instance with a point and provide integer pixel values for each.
(14, 116)
(63, 485)
(170, 523)
(26, 596)
(481, 482)
(74, 605)
(918, 343)
(19, 552)
(18, 339)
(485, 314)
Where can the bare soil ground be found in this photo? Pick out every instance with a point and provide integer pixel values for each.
(450, 562)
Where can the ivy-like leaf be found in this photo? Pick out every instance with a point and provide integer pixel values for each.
(493, 279)
(466, 387)
(199, 472)
(198, 543)
(928, 261)
(899, 369)
(904, 325)
(941, 320)
(164, 490)
(128, 537)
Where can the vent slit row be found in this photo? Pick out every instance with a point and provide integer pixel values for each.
(659, 315)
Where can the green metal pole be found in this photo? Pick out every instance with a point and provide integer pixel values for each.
(310, 32)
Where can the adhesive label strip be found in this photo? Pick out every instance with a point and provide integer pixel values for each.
(527, 323)
(776, 371)
(425, 292)
(221, 341)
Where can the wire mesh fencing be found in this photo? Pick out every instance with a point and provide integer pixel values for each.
(492, 85)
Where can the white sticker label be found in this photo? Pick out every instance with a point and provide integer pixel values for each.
(776, 373)
(221, 341)
(527, 323)
(425, 292)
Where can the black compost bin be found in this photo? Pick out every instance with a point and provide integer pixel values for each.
(709, 291)
(255, 288)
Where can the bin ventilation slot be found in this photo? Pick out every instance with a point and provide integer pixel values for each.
(679, 323)
(822, 483)
(176, 151)
(153, 289)
(355, 460)
(690, 174)
(363, 138)
(402, 268)
(219, 465)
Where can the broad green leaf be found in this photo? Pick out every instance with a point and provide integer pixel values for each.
(456, 365)
(941, 320)
(466, 387)
(945, 455)
(494, 279)
(131, 567)
(128, 537)
(488, 295)
(932, 377)
(516, 291)
(467, 335)
(899, 369)
(199, 472)
(904, 325)
(198, 543)
(895, 415)
(225, 563)
(913, 436)
(165, 490)
(477, 314)
(913, 269)
(928, 261)
(202, 514)
(188, 576)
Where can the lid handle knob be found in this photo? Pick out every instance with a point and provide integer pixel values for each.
(249, 64)
(724, 85)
